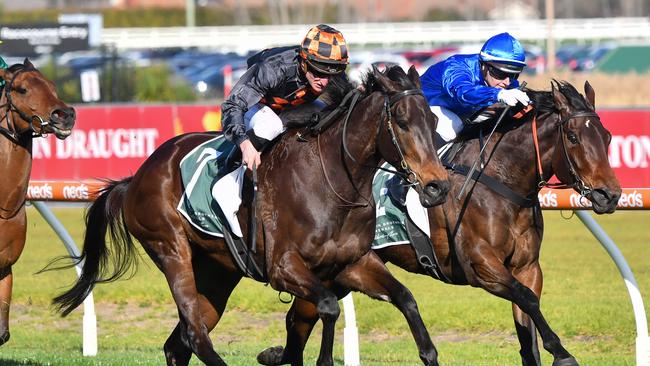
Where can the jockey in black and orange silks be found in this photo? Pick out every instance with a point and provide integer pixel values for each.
(280, 78)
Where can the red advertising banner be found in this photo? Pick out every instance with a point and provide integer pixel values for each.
(113, 141)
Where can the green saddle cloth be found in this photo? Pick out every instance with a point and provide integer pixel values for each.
(198, 170)
(391, 219)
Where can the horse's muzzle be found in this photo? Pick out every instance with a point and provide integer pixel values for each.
(62, 122)
(434, 193)
(604, 200)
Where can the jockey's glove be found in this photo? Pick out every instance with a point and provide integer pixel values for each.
(513, 96)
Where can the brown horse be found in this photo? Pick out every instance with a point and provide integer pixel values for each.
(496, 244)
(315, 218)
(30, 107)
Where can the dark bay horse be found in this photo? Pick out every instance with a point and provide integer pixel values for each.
(29, 107)
(497, 242)
(314, 213)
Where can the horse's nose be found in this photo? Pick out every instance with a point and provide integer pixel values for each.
(65, 117)
(435, 193)
(605, 199)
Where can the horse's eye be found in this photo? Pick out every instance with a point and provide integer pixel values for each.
(21, 90)
(572, 137)
(402, 124)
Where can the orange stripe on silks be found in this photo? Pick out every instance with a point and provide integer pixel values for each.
(336, 53)
(313, 48)
(326, 38)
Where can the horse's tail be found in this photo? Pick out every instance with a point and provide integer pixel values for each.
(105, 214)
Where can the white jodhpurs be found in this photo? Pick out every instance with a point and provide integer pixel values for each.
(263, 121)
(449, 124)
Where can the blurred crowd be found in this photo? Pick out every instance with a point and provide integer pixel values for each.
(210, 74)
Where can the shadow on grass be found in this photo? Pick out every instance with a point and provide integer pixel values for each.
(9, 362)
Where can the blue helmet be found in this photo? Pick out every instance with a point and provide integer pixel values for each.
(504, 52)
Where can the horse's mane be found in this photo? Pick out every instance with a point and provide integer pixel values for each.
(544, 103)
(337, 88)
(16, 67)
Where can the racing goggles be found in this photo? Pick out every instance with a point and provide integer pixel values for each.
(500, 74)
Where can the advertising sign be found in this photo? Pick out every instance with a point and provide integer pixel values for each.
(37, 39)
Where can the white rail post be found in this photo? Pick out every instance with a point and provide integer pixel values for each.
(89, 318)
(350, 333)
(642, 340)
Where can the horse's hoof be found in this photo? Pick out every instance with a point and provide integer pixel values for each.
(4, 338)
(566, 362)
(271, 356)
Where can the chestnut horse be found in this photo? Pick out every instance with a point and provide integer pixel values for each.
(497, 241)
(29, 107)
(314, 213)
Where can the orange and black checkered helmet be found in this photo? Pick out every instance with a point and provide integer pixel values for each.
(325, 50)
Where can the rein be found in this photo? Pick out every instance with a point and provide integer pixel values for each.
(10, 131)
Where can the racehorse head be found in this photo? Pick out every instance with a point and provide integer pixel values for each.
(407, 142)
(32, 105)
(580, 160)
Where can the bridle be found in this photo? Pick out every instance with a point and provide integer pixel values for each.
(404, 171)
(10, 131)
(578, 183)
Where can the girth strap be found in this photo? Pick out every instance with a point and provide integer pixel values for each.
(242, 255)
(495, 185)
(424, 253)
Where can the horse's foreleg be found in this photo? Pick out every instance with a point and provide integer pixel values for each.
(300, 321)
(531, 277)
(6, 283)
(496, 279)
(292, 275)
(370, 276)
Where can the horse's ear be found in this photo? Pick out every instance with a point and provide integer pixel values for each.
(590, 93)
(383, 80)
(414, 76)
(28, 63)
(561, 103)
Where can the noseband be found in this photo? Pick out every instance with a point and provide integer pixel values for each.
(10, 130)
(389, 101)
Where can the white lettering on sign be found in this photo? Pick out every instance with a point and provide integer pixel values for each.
(630, 151)
(548, 199)
(576, 200)
(105, 144)
(75, 192)
(41, 149)
(632, 199)
(42, 191)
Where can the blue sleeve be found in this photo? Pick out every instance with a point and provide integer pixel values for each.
(460, 83)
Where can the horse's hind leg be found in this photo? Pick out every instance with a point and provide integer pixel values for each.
(174, 258)
(214, 287)
(300, 321)
(496, 279)
(370, 276)
(531, 277)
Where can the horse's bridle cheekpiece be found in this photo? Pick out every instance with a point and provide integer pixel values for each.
(10, 130)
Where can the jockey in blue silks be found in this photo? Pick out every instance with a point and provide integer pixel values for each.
(462, 85)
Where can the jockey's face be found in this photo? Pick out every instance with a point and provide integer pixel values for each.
(317, 80)
(497, 78)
